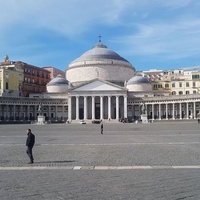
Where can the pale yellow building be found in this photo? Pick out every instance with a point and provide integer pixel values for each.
(11, 78)
(161, 86)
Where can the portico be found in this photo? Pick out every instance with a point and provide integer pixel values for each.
(97, 100)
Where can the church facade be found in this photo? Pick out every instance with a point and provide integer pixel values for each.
(99, 85)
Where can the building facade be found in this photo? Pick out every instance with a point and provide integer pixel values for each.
(35, 79)
(54, 72)
(11, 79)
(101, 85)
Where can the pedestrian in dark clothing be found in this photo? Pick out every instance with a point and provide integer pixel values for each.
(30, 141)
(102, 128)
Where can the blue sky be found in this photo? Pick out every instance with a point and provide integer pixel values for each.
(151, 34)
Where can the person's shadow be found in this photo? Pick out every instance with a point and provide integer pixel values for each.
(55, 162)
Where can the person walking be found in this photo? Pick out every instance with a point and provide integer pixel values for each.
(30, 141)
(101, 128)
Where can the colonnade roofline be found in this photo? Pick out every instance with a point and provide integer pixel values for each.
(177, 97)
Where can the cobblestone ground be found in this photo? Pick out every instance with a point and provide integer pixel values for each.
(130, 161)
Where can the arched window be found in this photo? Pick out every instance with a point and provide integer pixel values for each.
(187, 92)
(180, 93)
(173, 93)
(194, 91)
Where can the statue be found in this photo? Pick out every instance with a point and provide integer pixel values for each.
(144, 109)
(40, 112)
(6, 58)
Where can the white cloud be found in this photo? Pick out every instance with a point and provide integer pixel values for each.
(64, 16)
(141, 27)
(171, 40)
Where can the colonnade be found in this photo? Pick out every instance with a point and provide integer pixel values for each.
(168, 110)
(110, 107)
(10, 112)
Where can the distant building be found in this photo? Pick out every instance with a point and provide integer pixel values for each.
(11, 79)
(54, 72)
(102, 85)
(22, 77)
(35, 79)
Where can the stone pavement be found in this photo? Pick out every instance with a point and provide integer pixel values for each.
(130, 161)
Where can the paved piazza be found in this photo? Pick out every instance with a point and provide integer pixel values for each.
(130, 161)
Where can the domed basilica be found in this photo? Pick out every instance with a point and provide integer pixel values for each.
(100, 85)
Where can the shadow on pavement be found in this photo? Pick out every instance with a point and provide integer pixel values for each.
(56, 161)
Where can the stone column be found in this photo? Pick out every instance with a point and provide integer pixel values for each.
(21, 111)
(109, 107)
(152, 111)
(56, 110)
(28, 112)
(101, 107)
(194, 110)
(69, 109)
(180, 110)
(63, 108)
(173, 117)
(85, 107)
(93, 107)
(125, 106)
(117, 107)
(49, 113)
(187, 114)
(14, 108)
(6, 112)
(159, 111)
(0, 112)
(35, 113)
(166, 111)
(77, 107)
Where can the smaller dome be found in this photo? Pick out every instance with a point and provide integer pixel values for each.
(138, 79)
(139, 84)
(58, 80)
(57, 85)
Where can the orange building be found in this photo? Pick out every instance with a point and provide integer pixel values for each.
(54, 72)
(35, 79)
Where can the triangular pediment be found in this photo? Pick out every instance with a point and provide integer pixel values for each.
(98, 85)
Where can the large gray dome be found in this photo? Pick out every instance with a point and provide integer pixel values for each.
(99, 62)
(98, 52)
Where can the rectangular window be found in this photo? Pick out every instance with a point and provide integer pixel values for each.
(159, 86)
(7, 85)
(187, 84)
(180, 84)
(173, 84)
(194, 84)
(166, 85)
(155, 87)
(195, 76)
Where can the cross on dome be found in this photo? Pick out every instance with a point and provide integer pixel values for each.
(99, 38)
